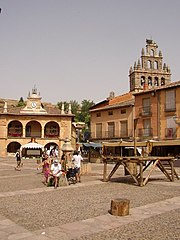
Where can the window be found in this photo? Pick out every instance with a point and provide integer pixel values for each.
(146, 106)
(147, 127)
(156, 82)
(142, 80)
(110, 112)
(170, 100)
(111, 129)
(170, 127)
(155, 65)
(149, 81)
(99, 130)
(123, 111)
(123, 128)
(98, 114)
(162, 81)
(149, 64)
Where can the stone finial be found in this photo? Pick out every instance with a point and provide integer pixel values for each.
(34, 90)
(139, 64)
(160, 53)
(142, 52)
(130, 70)
(135, 65)
(168, 69)
(69, 110)
(5, 107)
(62, 109)
(164, 66)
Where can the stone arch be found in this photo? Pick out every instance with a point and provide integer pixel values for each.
(51, 130)
(33, 129)
(156, 81)
(50, 146)
(149, 81)
(162, 81)
(149, 64)
(12, 147)
(142, 80)
(15, 129)
(156, 65)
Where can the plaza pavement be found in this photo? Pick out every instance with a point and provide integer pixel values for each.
(31, 211)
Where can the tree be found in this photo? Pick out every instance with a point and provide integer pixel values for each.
(66, 105)
(81, 112)
(83, 115)
(21, 102)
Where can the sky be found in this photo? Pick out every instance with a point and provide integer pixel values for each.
(81, 49)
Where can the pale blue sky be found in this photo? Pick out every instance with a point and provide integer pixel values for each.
(81, 49)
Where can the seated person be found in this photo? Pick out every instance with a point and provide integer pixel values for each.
(56, 172)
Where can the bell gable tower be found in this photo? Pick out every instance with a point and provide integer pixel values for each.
(150, 72)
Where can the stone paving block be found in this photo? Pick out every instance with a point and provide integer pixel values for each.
(6, 223)
(52, 233)
(3, 235)
(21, 235)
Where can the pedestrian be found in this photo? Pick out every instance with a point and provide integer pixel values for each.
(46, 167)
(63, 162)
(77, 164)
(56, 171)
(18, 160)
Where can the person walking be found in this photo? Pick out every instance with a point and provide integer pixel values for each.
(18, 160)
(77, 164)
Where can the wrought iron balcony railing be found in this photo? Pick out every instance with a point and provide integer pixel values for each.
(145, 111)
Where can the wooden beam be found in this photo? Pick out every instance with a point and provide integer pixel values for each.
(114, 170)
(135, 179)
(153, 167)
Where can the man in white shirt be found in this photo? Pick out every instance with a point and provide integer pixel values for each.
(77, 164)
(56, 172)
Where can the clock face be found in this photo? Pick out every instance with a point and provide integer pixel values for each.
(33, 104)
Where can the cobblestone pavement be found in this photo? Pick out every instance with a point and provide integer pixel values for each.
(31, 211)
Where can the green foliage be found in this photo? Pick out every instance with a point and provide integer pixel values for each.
(21, 102)
(81, 111)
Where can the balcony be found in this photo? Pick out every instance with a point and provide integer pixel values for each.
(51, 135)
(107, 135)
(170, 133)
(14, 132)
(170, 108)
(145, 111)
(145, 132)
(35, 134)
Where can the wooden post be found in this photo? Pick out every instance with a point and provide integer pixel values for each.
(120, 207)
(141, 174)
(105, 171)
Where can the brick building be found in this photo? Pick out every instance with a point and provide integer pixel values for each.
(153, 102)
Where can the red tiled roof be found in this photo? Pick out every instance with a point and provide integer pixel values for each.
(122, 98)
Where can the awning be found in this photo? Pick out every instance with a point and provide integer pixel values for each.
(123, 144)
(32, 145)
(92, 144)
